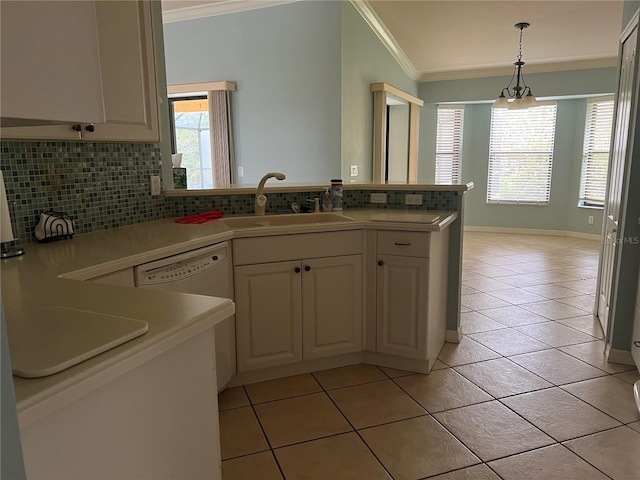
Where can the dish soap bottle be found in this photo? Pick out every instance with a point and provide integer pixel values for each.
(326, 200)
(336, 194)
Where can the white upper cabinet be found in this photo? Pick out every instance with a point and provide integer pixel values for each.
(50, 65)
(125, 50)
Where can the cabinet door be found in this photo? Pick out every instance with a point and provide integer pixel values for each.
(127, 79)
(332, 306)
(402, 288)
(268, 315)
(125, 37)
(49, 62)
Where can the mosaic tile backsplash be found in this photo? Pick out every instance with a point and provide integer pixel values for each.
(106, 185)
(101, 185)
(244, 204)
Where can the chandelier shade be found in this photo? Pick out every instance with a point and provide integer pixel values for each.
(520, 92)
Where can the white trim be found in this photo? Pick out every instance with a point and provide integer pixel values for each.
(182, 88)
(385, 36)
(222, 7)
(385, 87)
(535, 231)
(489, 71)
(615, 355)
(453, 336)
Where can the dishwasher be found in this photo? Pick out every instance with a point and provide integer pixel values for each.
(205, 271)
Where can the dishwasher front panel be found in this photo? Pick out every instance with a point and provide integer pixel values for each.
(206, 271)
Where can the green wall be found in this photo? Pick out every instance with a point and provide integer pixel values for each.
(365, 60)
(562, 213)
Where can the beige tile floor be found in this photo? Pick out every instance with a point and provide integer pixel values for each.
(526, 394)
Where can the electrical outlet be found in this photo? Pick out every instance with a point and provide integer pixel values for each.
(591, 219)
(413, 199)
(354, 170)
(240, 172)
(378, 198)
(155, 185)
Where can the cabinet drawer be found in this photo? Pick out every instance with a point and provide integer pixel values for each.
(408, 244)
(279, 248)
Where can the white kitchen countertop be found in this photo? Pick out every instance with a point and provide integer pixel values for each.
(47, 276)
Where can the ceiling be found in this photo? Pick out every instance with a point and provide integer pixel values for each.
(443, 40)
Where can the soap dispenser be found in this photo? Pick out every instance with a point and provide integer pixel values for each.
(326, 200)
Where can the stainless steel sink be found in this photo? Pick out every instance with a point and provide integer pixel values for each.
(285, 220)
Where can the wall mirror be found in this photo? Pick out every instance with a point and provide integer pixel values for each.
(396, 116)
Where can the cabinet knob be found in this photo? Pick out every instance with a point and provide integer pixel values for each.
(297, 270)
(77, 127)
(307, 268)
(380, 262)
(90, 128)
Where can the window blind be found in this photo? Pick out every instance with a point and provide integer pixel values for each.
(595, 157)
(450, 120)
(521, 155)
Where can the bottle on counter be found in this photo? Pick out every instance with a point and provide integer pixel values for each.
(327, 205)
(336, 194)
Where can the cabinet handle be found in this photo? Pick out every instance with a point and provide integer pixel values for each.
(380, 262)
(297, 270)
(307, 268)
(400, 244)
(90, 128)
(77, 127)
(637, 343)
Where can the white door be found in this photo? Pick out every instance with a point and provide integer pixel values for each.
(401, 311)
(268, 315)
(615, 188)
(332, 306)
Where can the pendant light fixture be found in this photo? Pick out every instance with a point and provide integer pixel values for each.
(521, 92)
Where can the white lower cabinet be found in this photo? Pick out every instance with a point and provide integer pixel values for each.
(401, 286)
(287, 312)
(331, 306)
(411, 294)
(299, 308)
(268, 315)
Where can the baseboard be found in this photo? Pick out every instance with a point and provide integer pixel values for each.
(615, 355)
(453, 336)
(534, 231)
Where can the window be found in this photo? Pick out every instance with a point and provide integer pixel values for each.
(449, 143)
(200, 117)
(191, 136)
(595, 157)
(521, 155)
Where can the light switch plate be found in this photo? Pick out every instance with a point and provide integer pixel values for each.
(353, 170)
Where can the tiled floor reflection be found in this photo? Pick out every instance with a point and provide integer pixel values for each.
(527, 393)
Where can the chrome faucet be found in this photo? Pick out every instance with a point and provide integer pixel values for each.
(261, 199)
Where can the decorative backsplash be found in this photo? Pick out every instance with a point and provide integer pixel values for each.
(106, 185)
(244, 204)
(101, 185)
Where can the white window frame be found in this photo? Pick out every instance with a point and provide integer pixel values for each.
(597, 143)
(449, 132)
(521, 155)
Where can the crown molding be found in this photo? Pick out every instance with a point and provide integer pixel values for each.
(530, 68)
(385, 36)
(223, 7)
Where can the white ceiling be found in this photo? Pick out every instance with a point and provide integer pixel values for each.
(441, 40)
